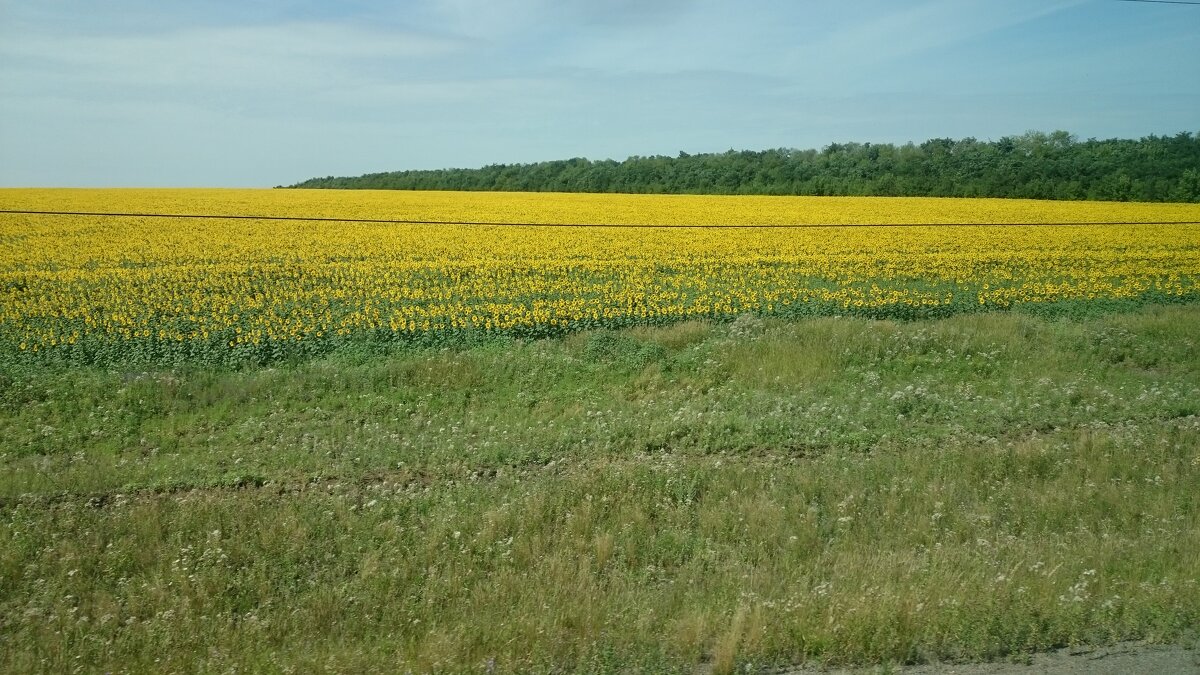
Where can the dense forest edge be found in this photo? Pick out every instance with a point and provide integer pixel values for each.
(1034, 165)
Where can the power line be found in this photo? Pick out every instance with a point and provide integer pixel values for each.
(1164, 2)
(485, 223)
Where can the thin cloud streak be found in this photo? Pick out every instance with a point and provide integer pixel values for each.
(289, 55)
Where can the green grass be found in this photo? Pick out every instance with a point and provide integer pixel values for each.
(748, 494)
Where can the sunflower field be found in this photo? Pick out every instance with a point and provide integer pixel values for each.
(273, 273)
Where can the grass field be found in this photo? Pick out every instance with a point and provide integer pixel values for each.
(719, 491)
(839, 490)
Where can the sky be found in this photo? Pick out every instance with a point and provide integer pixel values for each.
(256, 93)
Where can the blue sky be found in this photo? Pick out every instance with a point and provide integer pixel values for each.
(258, 93)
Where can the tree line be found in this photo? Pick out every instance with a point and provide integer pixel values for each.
(1034, 165)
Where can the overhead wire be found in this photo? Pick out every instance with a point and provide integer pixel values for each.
(491, 223)
(1164, 2)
